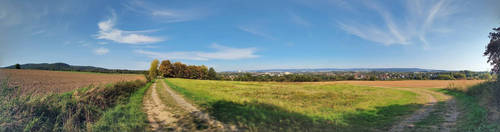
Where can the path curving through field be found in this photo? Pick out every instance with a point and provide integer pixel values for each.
(450, 114)
(432, 98)
(161, 116)
(198, 114)
(419, 114)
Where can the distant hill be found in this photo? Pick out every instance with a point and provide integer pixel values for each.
(67, 67)
(349, 69)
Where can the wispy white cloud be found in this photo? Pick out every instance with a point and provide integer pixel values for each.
(101, 51)
(413, 26)
(38, 32)
(299, 20)
(109, 32)
(255, 31)
(369, 32)
(342, 4)
(83, 43)
(164, 14)
(220, 53)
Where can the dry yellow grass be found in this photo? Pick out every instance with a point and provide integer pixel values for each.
(409, 83)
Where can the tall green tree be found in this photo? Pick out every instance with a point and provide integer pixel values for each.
(212, 75)
(153, 70)
(18, 66)
(493, 50)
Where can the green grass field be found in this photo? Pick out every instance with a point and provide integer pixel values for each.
(262, 106)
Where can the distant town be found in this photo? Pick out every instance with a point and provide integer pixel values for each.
(354, 75)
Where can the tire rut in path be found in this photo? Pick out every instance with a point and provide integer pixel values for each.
(419, 114)
(155, 109)
(198, 114)
(450, 115)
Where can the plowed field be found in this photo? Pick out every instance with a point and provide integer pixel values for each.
(43, 82)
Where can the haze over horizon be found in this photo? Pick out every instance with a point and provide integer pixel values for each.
(250, 35)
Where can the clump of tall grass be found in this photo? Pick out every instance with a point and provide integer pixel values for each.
(72, 111)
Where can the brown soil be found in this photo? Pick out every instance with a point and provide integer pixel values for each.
(43, 81)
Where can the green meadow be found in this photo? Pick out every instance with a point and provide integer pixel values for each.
(273, 106)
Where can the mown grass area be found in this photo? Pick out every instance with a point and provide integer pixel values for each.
(271, 106)
(72, 111)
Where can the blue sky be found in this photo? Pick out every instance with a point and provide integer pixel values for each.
(248, 35)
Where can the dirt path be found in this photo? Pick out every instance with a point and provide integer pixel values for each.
(155, 109)
(451, 116)
(198, 114)
(419, 114)
(432, 98)
(179, 99)
(178, 115)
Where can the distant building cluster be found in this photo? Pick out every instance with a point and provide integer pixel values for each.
(353, 75)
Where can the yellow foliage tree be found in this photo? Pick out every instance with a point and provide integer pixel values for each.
(153, 70)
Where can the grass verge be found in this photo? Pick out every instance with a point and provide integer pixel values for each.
(125, 117)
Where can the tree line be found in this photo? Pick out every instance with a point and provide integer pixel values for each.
(67, 67)
(168, 69)
(341, 76)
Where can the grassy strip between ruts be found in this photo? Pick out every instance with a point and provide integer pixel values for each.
(264, 106)
(125, 117)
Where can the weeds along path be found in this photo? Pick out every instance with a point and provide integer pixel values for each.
(432, 98)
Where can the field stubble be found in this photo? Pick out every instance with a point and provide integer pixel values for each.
(44, 82)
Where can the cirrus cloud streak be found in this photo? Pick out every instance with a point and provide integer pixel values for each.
(220, 53)
(108, 31)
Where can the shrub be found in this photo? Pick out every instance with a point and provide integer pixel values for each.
(459, 76)
(445, 77)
